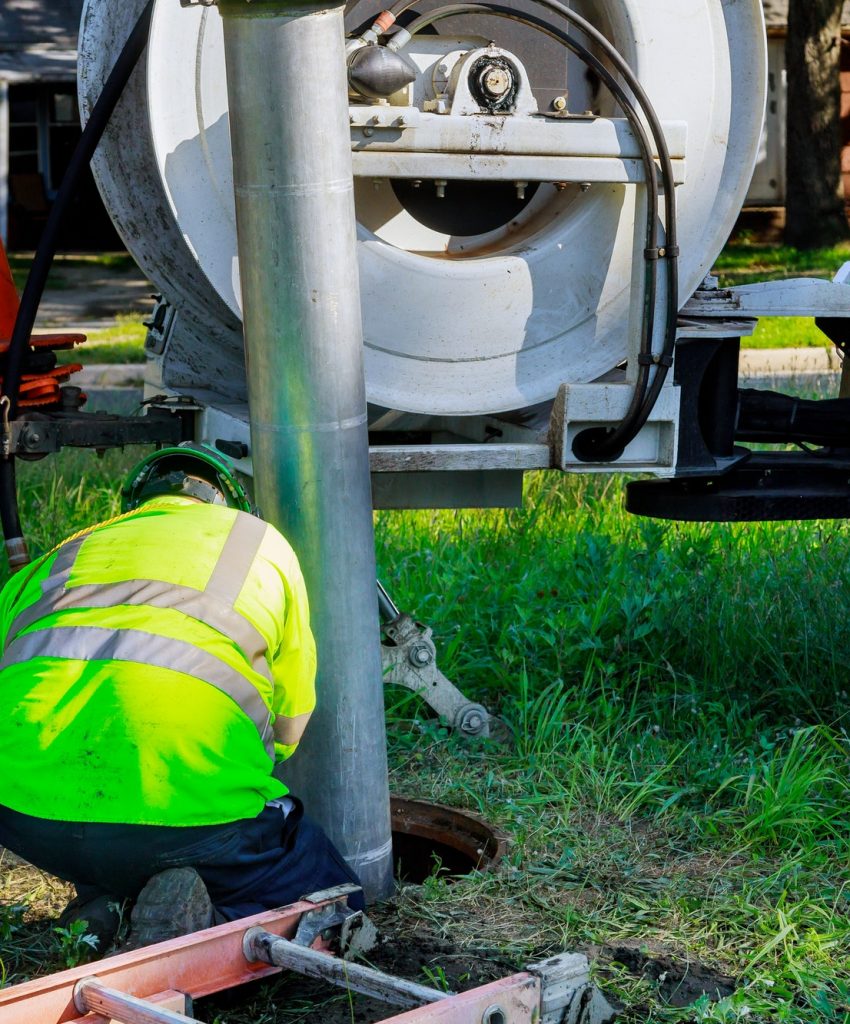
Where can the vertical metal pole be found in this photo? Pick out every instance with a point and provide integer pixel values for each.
(289, 127)
(4, 161)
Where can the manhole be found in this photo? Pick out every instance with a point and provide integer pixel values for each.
(431, 839)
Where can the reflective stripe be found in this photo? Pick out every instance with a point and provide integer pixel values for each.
(233, 567)
(65, 558)
(94, 643)
(212, 606)
(289, 731)
(155, 594)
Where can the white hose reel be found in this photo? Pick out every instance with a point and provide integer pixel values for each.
(455, 325)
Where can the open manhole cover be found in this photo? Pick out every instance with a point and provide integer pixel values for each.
(431, 839)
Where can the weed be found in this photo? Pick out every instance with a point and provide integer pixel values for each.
(436, 978)
(11, 920)
(76, 945)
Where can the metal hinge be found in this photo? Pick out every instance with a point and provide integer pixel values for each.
(410, 660)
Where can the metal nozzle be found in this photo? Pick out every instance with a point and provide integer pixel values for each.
(376, 72)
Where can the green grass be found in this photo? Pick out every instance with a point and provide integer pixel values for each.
(679, 781)
(679, 700)
(115, 262)
(743, 262)
(124, 342)
(787, 332)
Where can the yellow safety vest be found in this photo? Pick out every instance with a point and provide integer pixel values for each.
(152, 669)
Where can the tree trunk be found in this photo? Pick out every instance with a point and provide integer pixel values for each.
(815, 199)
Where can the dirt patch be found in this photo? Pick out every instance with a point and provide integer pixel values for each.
(21, 884)
(679, 982)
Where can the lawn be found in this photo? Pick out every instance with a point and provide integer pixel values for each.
(124, 342)
(745, 262)
(114, 262)
(677, 791)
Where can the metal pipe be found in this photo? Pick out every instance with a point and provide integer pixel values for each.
(304, 351)
(386, 606)
(260, 946)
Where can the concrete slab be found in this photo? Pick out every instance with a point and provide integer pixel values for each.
(757, 362)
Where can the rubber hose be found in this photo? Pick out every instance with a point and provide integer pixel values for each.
(599, 444)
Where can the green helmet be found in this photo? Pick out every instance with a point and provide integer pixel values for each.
(189, 469)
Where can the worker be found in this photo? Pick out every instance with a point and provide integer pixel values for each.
(154, 668)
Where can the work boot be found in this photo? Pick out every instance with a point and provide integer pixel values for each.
(173, 903)
(102, 914)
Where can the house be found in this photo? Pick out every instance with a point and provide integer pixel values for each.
(39, 122)
(768, 186)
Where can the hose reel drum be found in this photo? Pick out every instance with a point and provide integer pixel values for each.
(497, 230)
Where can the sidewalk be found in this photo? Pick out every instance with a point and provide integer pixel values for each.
(90, 298)
(762, 362)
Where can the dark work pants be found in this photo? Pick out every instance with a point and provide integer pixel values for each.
(248, 866)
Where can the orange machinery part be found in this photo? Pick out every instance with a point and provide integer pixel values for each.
(37, 390)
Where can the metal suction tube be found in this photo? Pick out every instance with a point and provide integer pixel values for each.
(304, 351)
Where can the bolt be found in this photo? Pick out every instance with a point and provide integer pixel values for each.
(560, 186)
(496, 81)
(368, 132)
(440, 187)
(585, 186)
(520, 189)
(442, 68)
(473, 720)
(420, 656)
(416, 183)
(559, 103)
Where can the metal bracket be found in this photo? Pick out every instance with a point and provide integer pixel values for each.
(35, 435)
(345, 931)
(567, 994)
(579, 406)
(409, 659)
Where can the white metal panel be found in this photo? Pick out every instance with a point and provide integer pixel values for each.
(492, 324)
(768, 184)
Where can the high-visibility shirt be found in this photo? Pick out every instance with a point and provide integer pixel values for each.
(153, 668)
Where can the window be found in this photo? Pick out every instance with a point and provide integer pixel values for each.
(44, 128)
(23, 130)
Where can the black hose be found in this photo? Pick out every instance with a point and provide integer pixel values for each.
(623, 100)
(111, 93)
(607, 444)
